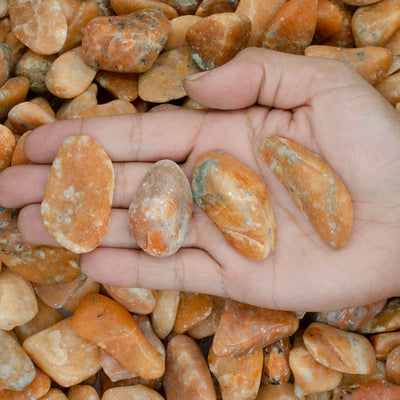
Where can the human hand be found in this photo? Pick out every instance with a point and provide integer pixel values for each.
(320, 104)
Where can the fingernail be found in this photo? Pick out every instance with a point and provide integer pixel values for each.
(196, 76)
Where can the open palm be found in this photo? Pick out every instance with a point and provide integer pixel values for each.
(320, 104)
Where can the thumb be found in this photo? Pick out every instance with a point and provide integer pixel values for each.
(269, 78)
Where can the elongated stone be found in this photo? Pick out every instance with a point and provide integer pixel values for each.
(13, 92)
(276, 369)
(137, 392)
(340, 350)
(369, 390)
(76, 207)
(236, 199)
(187, 376)
(160, 210)
(393, 366)
(245, 328)
(126, 43)
(164, 313)
(383, 343)
(7, 146)
(114, 107)
(84, 101)
(314, 186)
(329, 20)
(388, 320)
(344, 36)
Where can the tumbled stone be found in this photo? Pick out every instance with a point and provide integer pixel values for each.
(44, 264)
(370, 390)
(123, 7)
(389, 88)
(245, 328)
(309, 375)
(17, 370)
(183, 6)
(45, 317)
(383, 343)
(114, 107)
(209, 7)
(393, 366)
(216, 39)
(39, 24)
(340, 350)
(115, 331)
(42, 102)
(164, 81)
(18, 304)
(5, 62)
(127, 43)
(193, 308)
(136, 300)
(82, 392)
(187, 376)
(373, 25)
(76, 208)
(344, 36)
(10, 238)
(329, 21)
(164, 313)
(350, 319)
(276, 369)
(35, 66)
(394, 43)
(13, 92)
(137, 392)
(7, 146)
(54, 394)
(17, 48)
(88, 286)
(371, 62)
(63, 355)
(121, 86)
(314, 187)
(319, 396)
(222, 183)
(239, 377)
(69, 75)
(161, 208)
(27, 116)
(19, 157)
(288, 33)
(285, 391)
(179, 28)
(387, 320)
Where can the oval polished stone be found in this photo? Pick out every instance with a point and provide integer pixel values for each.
(393, 366)
(7, 146)
(126, 43)
(284, 391)
(84, 101)
(164, 313)
(216, 39)
(39, 24)
(137, 392)
(388, 320)
(276, 369)
(13, 92)
(187, 376)
(314, 187)
(383, 343)
(209, 7)
(370, 390)
(245, 328)
(236, 199)
(160, 210)
(82, 392)
(329, 21)
(340, 350)
(179, 28)
(76, 207)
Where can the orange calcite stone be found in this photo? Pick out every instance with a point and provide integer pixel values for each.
(236, 199)
(88, 286)
(35, 390)
(35, 66)
(44, 264)
(209, 7)
(82, 392)
(284, 391)
(350, 319)
(394, 43)
(183, 6)
(19, 157)
(18, 303)
(17, 370)
(239, 377)
(373, 25)
(12, 93)
(383, 343)
(161, 208)
(54, 394)
(76, 208)
(69, 75)
(389, 88)
(179, 28)
(370, 390)
(193, 308)
(136, 300)
(42, 102)
(187, 376)
(164, 81)
(122, 86)
(387, 320)
(329, 20)
(114, 107)
(10, 238)
(7, 146)
(340, 350)
(115, 331)
(314, 186)
(39, 24)
(5, 62)
(309, 375)
(123, 7)
(344, 37)
(127, 43)
(137, 392)
(245, 328)
(276, 369)
(45, 317)
(164, 313)
(393, 366)
(289, 33)
(17, 48)
(216, 39)
(63, 355)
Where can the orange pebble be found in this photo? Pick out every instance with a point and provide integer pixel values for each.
(179, 28)
(276, 369)
(193, 308)
(389, 88)
(183, 6)
(164, 313)
(123, 7)
(245, 328)
(236, 199)
(289, 33)
(19, 157)
(12, 93)
(209, 7)
(7, 146)
(121, 86)
(284, 391)
(114, 107)
(115, 331)
(383, 343)
(79, 293)
(329, 20)
(344, 36)
(82, 392)
(393, 366)
(76, 208)
(42, 102)
(369, 390)
(388, 320)
(137, 392)
(54, 394)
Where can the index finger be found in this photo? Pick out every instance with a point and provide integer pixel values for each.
(128, 137)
